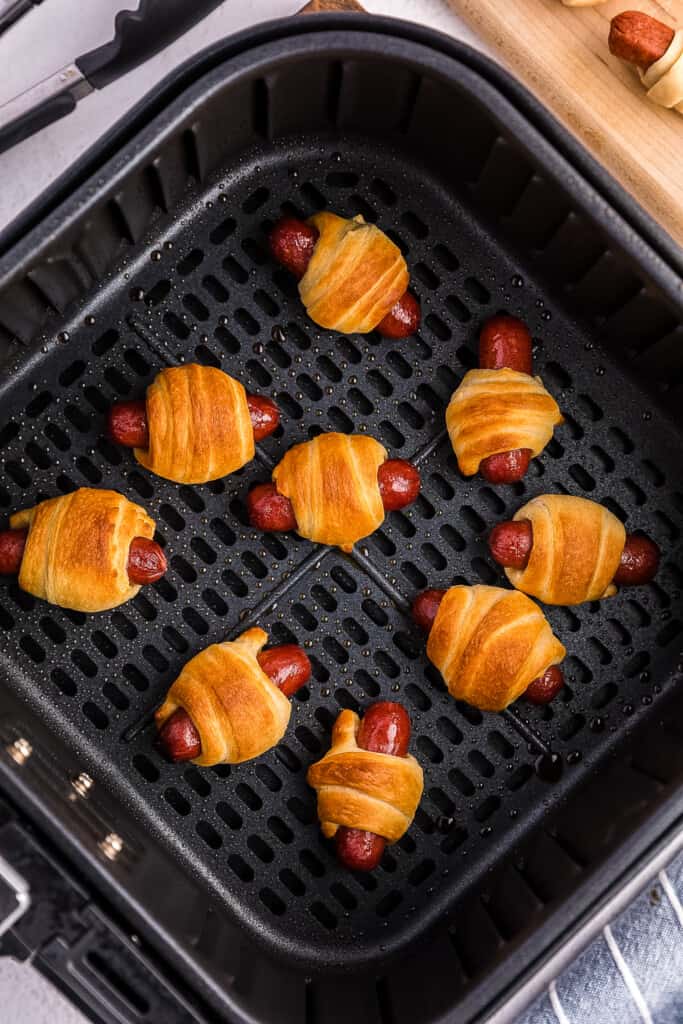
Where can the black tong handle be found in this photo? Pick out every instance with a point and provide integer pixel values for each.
(139, 35)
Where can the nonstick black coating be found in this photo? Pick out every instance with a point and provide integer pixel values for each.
(208, 290)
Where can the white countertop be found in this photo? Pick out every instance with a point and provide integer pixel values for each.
(57, 31)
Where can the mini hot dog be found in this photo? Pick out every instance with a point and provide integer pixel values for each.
(399, 485)
(334, 470)
(12, 545)
(146, 560)
(505, 341)
(592, 553)
(196, 424)
(539, 691)
(368, 784)
(270, 511)
(638, 38)
(287, 666)
(510, 546)
(293, 242)
(89, 550)
(127, 421)
(656, 50)
(384, 728)
(486, 405)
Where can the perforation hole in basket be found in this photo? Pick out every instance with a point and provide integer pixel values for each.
(346, 700)
(487, 808)
(95, 715)
(64, 682)
(115, 696)
(231, 817)
(147, 769)
(208, 834)
(239, 866)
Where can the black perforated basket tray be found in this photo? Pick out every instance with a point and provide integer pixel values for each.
(161, 257)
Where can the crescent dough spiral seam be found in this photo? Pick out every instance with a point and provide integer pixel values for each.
(382, 807)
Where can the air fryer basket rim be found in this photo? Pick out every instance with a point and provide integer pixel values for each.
(30, 242)
(98, 158)
(514, 974)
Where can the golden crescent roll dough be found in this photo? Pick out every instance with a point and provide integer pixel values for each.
(489, 644)
(199, 425)
(664, 79)
(361, 789)
(355, 275)
(497, 411)
(237, 710)
(331, 482)
(576, 550)
(76, 554)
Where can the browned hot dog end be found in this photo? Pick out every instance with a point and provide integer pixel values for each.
(127, 424)
(269, 510)
(424, 608)
(638, 38)
(179, 738)
(264, 415)
(639, 561)
(403, 319)
(504, 341)
(292, 242)
(399, 483)
(510, 543)
(288, 667)
(506, 467)
(358, 850)
(12, 544)
(146, 561)
(545, 687)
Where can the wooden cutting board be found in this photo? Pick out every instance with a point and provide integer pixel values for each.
(561, 55)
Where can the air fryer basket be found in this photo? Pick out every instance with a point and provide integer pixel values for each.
(163, 258)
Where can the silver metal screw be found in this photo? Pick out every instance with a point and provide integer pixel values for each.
(82, 784)
(20, 750)
(111, 846)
